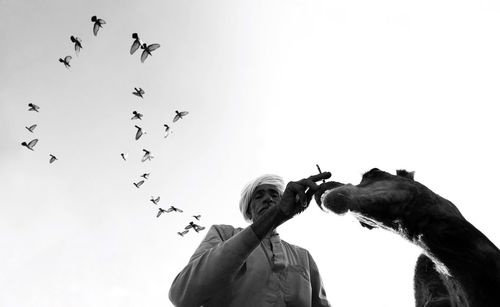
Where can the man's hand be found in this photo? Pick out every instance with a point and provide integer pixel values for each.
(298, 195)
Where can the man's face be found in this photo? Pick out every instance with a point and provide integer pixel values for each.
(264, 196)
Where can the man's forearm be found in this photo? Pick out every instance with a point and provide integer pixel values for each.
(271, 219)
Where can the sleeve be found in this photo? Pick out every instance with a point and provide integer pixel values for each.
(213, 266)
(318, 291)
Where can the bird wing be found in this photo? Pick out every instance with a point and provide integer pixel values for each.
(101, 21)
(96, 28)
(144, 55)
(67, 59)
(138, 134)
(135, 45)
(140, 183)
(188, 226)
(153, 47)
(159, 213)
(184, 113)
(142, 91)
(169, 209)
(32, 143)
(176, 117)
(31, 128)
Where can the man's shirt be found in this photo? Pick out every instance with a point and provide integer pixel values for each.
(232, 268)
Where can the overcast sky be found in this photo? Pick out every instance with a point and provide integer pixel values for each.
(270, 87)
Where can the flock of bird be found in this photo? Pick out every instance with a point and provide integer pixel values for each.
(139, 92)
(31, 144)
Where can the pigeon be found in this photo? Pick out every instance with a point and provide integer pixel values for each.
(78, 43)
(97, 24)
(196, 227)
(145, 175)
(30, 145)
(167, 130)
(52, 158)
(197, 217)
(124, 156)
(138, 184)
(31, 128)
(139, 92)
(147, 50)
(66, 61)
(179, 115)
(183, 233)
(155, 200)
(137, 115)
(160, 211)
(172, 208)
(136, 44)
(33, 107)
(147, 155)
(139, 132)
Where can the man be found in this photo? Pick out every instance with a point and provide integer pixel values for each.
(252, 267)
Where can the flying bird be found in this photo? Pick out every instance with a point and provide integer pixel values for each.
(30, 145)
(172, 208)
(137, 115)
(31, 128)
(78, 43)
(139, 92)
(136, 44)
(33, 107)
(182, 233)
(138, 184)
(147, 50)
(197, 217)
(147, 155)
(52, 158)
(139, 132)
(97, 24)
(66, 61)
(145, 175)
(196, 227)
(167, 130)
(179, 115)
(160, 211)
(124, 156)
(155, 200)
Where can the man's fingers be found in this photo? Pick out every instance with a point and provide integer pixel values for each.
(318, 177)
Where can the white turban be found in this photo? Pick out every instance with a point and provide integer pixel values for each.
(246, 193)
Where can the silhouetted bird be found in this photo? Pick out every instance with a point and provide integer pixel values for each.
(33, 107)
(139, 92)
(172, 208)
(136, 44)
(197, 217)
(78, 43)
(155, 200)
(52, 158)
(160, 211)
(196, 227)
(179, 115)
(138, 184)
(97, 24)
(31, 128)
(30, 145)
(137, 115)
(145, 175)
(147, 155)
(147, 50)
(167, 130)
(139, 132)
(66, 61)
(124, 156)
(182, 233)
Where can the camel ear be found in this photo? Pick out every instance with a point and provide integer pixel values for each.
(405, 173)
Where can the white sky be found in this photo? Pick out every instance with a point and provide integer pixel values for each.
(271, 87)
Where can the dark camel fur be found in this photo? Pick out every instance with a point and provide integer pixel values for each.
(460, 266)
